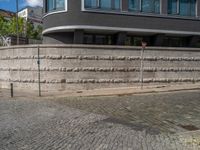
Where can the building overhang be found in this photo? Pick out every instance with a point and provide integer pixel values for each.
(106, 29)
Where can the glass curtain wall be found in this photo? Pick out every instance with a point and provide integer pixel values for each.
(55, 5)
(173, 6)
(182, 7)
(91, 3)
(103, 4)
(187, 7)
(147, 6)
(134, 5)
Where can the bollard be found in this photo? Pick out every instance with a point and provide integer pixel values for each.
(11, 90)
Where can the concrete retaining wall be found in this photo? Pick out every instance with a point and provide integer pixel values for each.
(68, 67)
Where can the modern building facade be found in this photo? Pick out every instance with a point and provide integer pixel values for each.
(32, 14)
(122, 22)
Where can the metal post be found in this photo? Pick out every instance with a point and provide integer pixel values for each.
(144, 44)
(141, 67)
(38, 62)
(11, 90)
(17, 23)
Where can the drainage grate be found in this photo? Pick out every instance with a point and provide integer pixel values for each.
(189, 127)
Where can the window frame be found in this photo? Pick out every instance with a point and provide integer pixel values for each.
(140, 9)
(178, 10)
(98, 7)
(55, 12)
(127, 11)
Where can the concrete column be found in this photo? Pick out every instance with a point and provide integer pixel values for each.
(159, 40)
(193, 40)
(78, 36)
(164, 7)
(124, 5)
(121, 38)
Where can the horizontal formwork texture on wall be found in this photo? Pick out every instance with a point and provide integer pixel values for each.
(69, 67)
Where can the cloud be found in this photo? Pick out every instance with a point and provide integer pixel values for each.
(34, 3)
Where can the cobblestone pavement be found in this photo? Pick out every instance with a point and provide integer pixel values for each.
(156, 113)
(128, 122)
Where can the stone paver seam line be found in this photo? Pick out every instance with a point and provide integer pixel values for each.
(166, 141)
(156, 141)
(126, 139)
(82, 136)
(60, 143)
(94, 141)
(120, 141)
(145, 143)
(111, 139)
(113, 146)
(87, 138)
(148, 141)
(66, 137)
(156, 120)
(101, 138)
(170, 126)
(174, 142)
(107, 134)
(75, 141)
(132, 141)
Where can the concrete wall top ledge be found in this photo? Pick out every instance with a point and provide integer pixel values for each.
(106, 47)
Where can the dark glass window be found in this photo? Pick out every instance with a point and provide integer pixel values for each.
(182, 7)
(134, 5)
(148, 6)
(116, 4)
(101, 39)
(98, 39)
(172, 7)
(106, 4)
(91, 3)
(187, 7)
(55, 5)
(103, 4)
(133, 40)
(174, 42)
(151, 6)
(88, 39)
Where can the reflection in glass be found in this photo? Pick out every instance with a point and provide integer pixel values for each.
(105, 4)
(134, 5)
(55, 5)
(151, 6)
(60, 4)
(172, 6)
(91, 3)
(182, 7)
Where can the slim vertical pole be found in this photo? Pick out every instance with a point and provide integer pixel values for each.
(141, 67)
(17, 23)
(11, 90)
(38, 62)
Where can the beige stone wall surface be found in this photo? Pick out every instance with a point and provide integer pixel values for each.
(69, 67)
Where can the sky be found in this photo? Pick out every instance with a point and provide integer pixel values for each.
(11, 4)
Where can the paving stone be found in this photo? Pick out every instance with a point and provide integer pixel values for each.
(99, 122)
